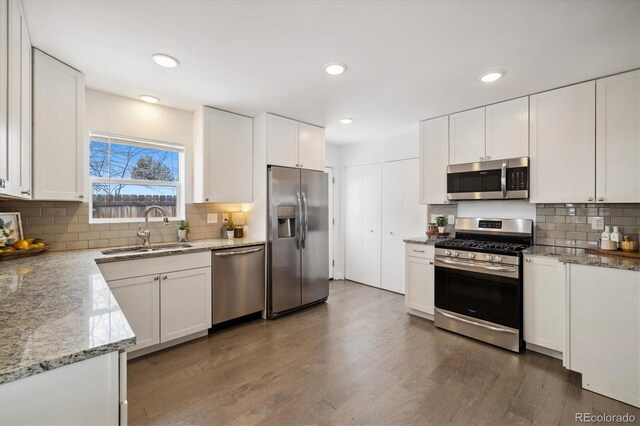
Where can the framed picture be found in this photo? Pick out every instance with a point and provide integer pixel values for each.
(10, 228)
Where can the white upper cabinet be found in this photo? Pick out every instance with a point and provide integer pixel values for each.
(223, 152)
(562, 137)
(59, 140)
(618, 138)
(15, 102)
(282, 141)
(311, 147)
(467, 136)
(434, 156)
(507, 130)
(294, 144)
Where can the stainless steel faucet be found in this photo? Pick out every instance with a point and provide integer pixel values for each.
(145, 234)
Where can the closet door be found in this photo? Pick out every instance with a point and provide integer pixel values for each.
(353, 222)
(370, 220)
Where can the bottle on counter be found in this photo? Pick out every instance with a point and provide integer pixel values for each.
(605, 237)
(616, 236)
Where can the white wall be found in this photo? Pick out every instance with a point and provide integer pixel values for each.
(108, 113)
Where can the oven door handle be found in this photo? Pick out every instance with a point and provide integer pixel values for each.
(478, 266)
(503, 179)
(477, 324)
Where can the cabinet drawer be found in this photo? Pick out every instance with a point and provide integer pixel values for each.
(154, 265)
(420, 250)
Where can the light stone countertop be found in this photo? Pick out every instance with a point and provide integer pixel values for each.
(579, 257)
(428, 241)
(56, 309)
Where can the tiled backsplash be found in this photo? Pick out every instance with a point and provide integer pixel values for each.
(569, 225)
(65, 225)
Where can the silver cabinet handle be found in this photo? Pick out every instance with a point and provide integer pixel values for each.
(164, 277)
(234, 253)
(80, 196)
(481, 158)
(26, 192)
(417, 251)
(600, 198)
(477, 324)
(156, 278)
(487, 158)
(503, 179)
(590, 199)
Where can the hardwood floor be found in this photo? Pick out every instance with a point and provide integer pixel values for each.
(357, 359)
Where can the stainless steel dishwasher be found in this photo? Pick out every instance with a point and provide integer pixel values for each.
(238, 282)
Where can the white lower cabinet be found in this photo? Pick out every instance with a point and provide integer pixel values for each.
(163, 298)
(420, 277)
(544, 302)
(185, 306)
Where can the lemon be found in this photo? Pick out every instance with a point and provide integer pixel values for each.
(29, 240)
(9, 249)
(21, 245)
(39, 245)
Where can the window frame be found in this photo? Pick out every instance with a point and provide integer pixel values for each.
(145, 143)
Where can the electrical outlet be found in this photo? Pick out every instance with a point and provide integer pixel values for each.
(597, 223)
(212, 218)
(225, 216)
(452, 219)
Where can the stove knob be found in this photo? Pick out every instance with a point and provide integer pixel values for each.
(498, 258)
(472, 255)
(489, 257)
(447, 252)
(455, 253)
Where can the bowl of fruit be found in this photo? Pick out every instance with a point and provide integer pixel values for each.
(22, 248)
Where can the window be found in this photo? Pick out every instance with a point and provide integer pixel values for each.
(129, 175)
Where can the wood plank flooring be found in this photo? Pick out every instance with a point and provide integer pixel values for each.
(358, 359)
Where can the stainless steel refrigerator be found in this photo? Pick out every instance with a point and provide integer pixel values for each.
(298, 232)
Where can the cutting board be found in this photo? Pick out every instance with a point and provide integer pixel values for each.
(620, 253)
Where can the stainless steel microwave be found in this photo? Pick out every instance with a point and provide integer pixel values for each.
(489, 180)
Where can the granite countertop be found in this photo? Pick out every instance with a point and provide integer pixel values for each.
(56, 309)
(425, 240)
(579, 257)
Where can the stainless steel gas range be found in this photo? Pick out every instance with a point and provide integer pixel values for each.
(478, 280)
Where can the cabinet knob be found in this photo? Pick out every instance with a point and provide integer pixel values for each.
(528, 260)
(206, 199)
(26, 192)
(600, 198)
(80, 196)
(371, 230)
(590, 199)
(430, 262)
(301, 165)
(164, 277)
(156, 278)
(446, 201)
(487, 158)
(297, 165)
(481, 158)
(3, 183)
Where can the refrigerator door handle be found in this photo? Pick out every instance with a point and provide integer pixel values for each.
(298, 219)
(306, 220)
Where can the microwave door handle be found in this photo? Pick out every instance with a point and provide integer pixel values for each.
(503, 179)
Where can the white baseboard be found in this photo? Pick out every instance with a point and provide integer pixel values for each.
(420, 314)
(154, 348)
(545, 351)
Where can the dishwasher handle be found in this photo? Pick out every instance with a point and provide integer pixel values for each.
(233, 253)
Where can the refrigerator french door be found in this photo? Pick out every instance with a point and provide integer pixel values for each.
(298, 232)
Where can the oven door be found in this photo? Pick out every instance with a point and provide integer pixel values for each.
(489, 292)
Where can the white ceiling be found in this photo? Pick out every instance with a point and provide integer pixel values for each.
(406, 61)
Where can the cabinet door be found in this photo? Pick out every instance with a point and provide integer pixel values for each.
(15, 97)
(618, 138)
(24, 187)
(185, 306)
(282, 141)
(466, 137)
(434, 158)
(544, 302)
(58, 130)
(420, 278)
(228, 147)
(5, 188)
(139, 299)
(353, 181)
(562, 136)
(370, 221)
(507, 130)
(311, 147)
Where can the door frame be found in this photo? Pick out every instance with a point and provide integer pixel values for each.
(332, 222)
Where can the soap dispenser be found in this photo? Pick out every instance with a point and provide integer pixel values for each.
(616, 236)
(604, 239)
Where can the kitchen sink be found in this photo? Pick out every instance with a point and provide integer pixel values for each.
(146, 249)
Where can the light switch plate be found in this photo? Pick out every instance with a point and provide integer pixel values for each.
(225, 216)
(452, 219)
(212, 218)
(597, 223)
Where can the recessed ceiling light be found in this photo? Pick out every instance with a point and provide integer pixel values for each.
(165, 60)
(490, 76)
(335, 68)
(346, 120)
(150, 99)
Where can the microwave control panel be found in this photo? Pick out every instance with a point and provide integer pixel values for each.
(518, 179)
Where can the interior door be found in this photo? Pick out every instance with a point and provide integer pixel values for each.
(392, 249)
(370, 220)
(315, 242)
(353, 180)
(331, 219)
(284, 289)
